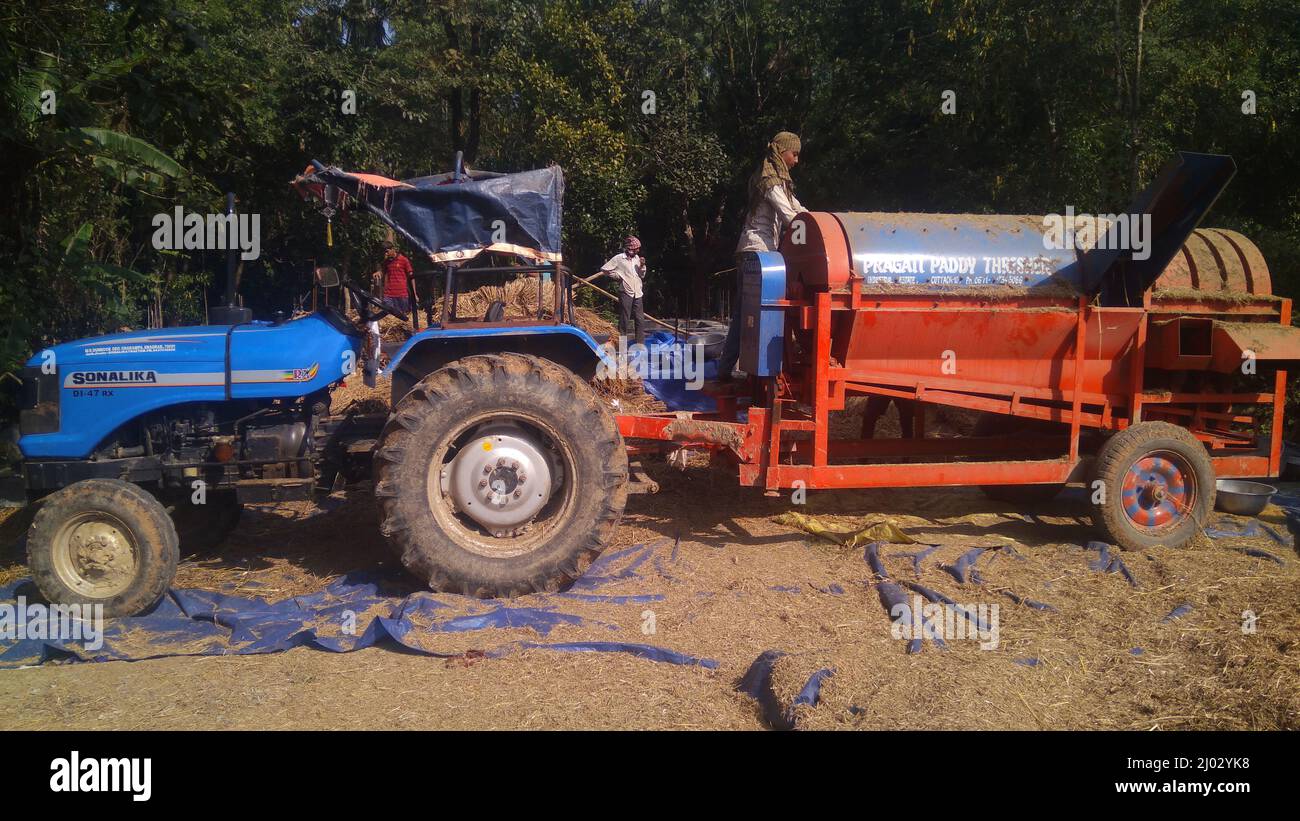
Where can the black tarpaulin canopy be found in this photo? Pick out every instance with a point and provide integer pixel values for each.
(451, 218)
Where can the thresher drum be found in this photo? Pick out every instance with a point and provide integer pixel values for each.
(1068, 342)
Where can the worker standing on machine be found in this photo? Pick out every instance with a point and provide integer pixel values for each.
(629, 268)
(772, 206)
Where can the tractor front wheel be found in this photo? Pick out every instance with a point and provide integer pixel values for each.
(103, 541)
(1157, 487)
(500, 475)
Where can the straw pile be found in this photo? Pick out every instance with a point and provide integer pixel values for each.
(520, 298)
(354, 396)
(14, 522)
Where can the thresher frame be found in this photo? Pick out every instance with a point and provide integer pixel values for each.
(786, 437)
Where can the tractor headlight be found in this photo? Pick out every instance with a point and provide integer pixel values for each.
(38, 406)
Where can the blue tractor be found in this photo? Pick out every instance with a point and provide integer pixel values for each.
(498, 471)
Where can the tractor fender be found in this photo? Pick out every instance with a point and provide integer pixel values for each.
(433, 348)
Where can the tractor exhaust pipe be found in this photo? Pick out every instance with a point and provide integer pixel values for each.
(232, 261)
(230, 313)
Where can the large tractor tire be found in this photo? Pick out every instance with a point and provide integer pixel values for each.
(202, 527)
(1159, 487)
(997, 424)
(103, 541)
(500, 475)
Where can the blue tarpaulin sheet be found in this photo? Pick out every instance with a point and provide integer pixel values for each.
(350, 614)
(448, 218)
(675, 391)
(1108, 562)
(757, 684)
(894, 600)
(1234, 527)
(964, 569)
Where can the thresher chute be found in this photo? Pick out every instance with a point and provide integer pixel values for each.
(1176, 202)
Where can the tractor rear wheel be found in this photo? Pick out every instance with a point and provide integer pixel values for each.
(500, 475)
(103, 541)
(1158, 484)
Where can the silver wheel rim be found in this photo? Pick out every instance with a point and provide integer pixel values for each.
(96, 555)
(499, 484)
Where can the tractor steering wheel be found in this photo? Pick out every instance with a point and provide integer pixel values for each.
(366, 301)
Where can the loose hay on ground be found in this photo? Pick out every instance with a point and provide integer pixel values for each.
(728, 597)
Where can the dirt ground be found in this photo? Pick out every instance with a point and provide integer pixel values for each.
(741, 583)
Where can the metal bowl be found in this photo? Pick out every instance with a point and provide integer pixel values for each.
(712, 343)
(1242, 498)
(701, 326)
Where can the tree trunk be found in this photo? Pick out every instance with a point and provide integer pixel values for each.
(1135, 111)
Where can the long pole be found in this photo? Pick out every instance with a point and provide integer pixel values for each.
(590, 284)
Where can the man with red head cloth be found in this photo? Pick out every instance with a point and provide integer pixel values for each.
(629, 268)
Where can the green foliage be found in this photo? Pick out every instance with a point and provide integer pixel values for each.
(161, 104)
(127, 160)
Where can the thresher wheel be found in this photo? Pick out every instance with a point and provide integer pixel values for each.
(996, 424)
(500, 475)
(103, 541)
(1159, 487)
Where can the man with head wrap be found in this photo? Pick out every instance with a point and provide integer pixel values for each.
(629, 268)
(772, 206)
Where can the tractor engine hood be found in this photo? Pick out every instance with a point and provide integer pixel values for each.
(107, 381)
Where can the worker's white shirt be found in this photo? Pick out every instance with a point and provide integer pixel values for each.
(768, 220)
(628, 270)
